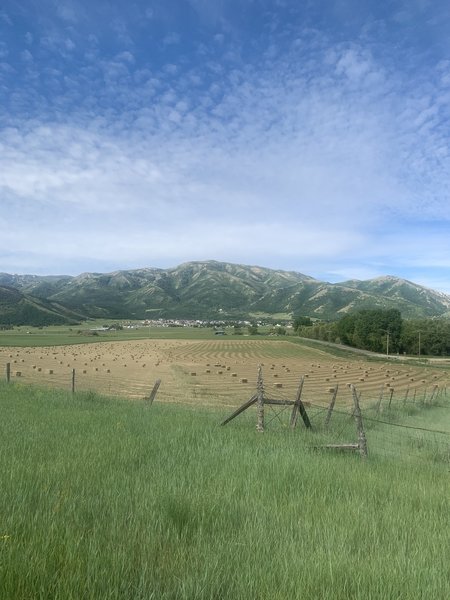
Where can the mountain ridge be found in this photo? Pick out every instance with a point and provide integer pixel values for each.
(214, 289)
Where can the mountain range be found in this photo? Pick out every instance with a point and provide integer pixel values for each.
(204, 290)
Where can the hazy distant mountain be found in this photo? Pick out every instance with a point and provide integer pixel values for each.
(211, 289)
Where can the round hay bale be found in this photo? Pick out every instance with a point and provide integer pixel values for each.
(278, 385)
(49, 371)
(330, 390)
(208, 370)
(233, 374)
(193, 374)
(244, 380)
(18, 373)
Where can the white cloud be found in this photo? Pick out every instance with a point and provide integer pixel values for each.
(5, 18)
(3, 50)
(68, 11)
(297, 157)
(27, 56)
(69, 44)
(172, 38)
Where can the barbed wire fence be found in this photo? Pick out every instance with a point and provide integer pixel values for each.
(392, 425)
(393, 421)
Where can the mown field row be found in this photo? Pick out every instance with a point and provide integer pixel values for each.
(218, 372)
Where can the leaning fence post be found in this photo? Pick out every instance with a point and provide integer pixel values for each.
(154, 390)
(331, 407)
(73, 381)
(406, 395)
(435, 391)
(390, 398)
(299, 407)
(424, 399)
(8, 372)
(260, 401)
(362, 442)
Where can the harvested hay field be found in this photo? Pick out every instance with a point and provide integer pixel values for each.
(217, 372)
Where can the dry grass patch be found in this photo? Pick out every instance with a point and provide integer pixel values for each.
(129, 368)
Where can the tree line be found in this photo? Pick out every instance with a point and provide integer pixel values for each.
(380, 330)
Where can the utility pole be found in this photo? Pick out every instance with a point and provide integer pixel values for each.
(387, 344)
(419, 343)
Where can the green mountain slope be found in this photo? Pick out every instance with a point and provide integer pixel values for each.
(211, 290)
(17, 308)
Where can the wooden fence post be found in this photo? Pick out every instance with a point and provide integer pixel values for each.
(154, 390)
(299, 407)
(331, 407)
(260, 401)
(362, 442)
(424, 399)
(241, 409)
(434, 395)
(390, 398)
(73, 381)
(8, 372)
(406, 396)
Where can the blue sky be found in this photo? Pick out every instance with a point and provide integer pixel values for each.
(309, 136)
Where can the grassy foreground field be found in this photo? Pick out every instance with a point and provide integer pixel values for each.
(104, 498)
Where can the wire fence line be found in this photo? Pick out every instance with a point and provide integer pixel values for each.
(393, 428)
(390, 418)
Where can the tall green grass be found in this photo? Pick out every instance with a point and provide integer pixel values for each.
(108, 499)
